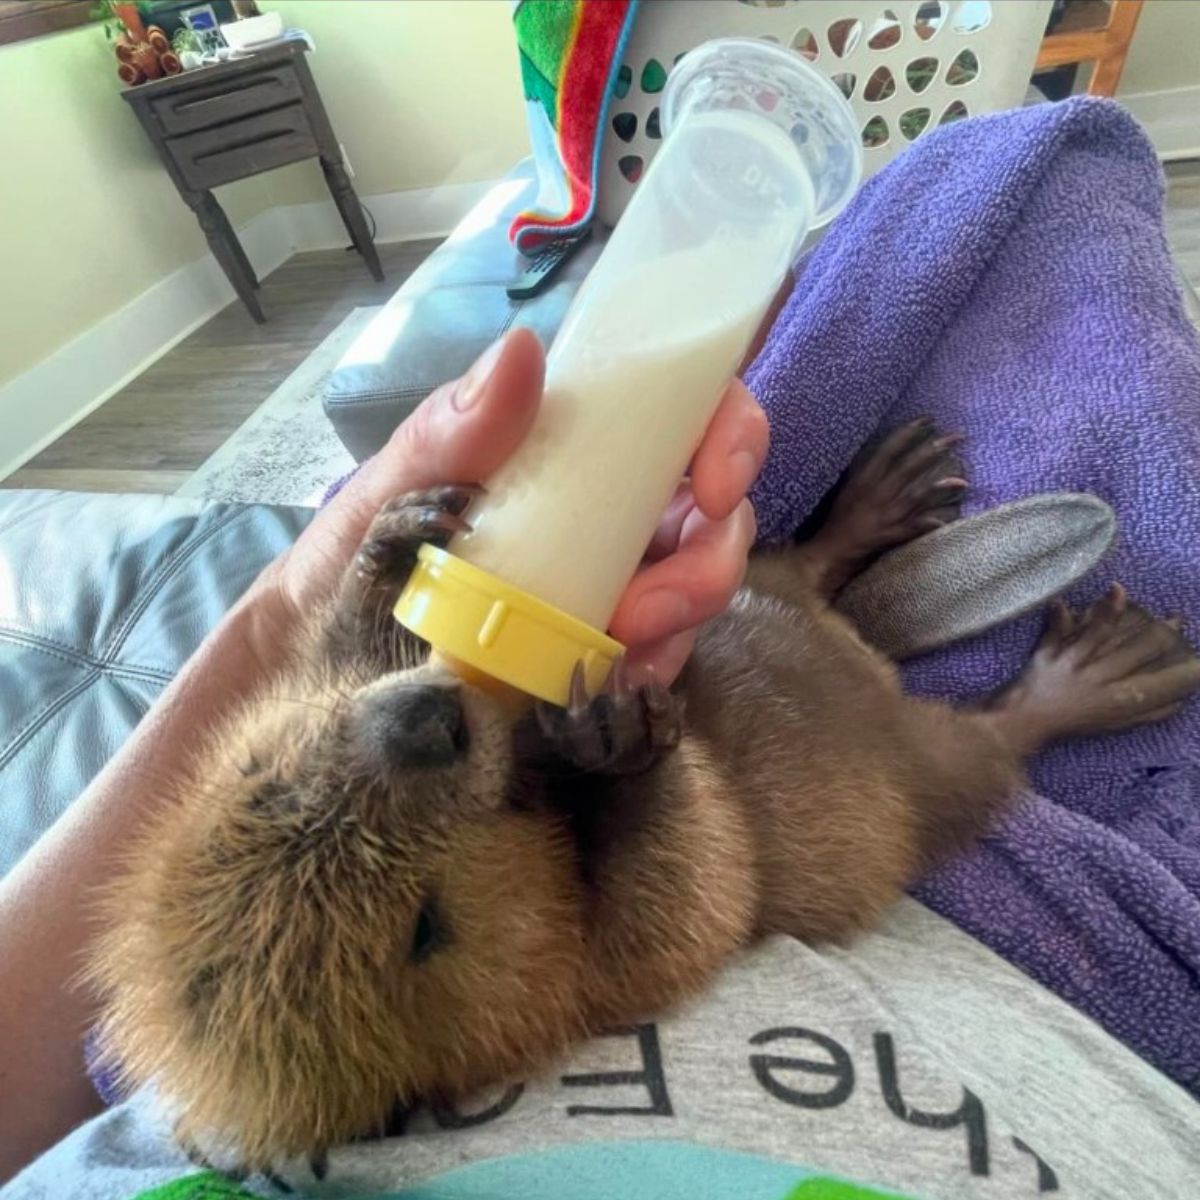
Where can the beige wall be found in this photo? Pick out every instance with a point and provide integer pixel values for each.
(88, 218)
(1165, 54)
(421, 92)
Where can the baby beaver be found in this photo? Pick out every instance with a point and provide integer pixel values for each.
(380, 887)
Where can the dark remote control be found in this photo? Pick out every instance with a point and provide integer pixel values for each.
(545, 264)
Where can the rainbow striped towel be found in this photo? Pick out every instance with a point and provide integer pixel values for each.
(570, 53)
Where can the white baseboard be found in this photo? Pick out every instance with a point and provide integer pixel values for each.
(399, 216)
(1170, 120)
(41, 404)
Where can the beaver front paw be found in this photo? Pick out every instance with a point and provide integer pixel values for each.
(360, 620)
(389, 551)
(623, 730)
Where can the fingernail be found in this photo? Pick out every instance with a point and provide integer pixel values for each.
(471, 385)
(660, 613)
(743, 470)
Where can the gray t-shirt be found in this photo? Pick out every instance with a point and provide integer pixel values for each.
(914, 1060)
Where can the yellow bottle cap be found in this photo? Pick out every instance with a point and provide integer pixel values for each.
(473, 617)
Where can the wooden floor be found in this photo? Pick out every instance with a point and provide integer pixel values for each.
(153, 433)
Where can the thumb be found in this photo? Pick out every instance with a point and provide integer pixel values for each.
(461, 433)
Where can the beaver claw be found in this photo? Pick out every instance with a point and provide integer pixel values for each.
(389, 550)
(623, 730)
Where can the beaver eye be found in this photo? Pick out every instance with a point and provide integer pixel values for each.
(428, 934)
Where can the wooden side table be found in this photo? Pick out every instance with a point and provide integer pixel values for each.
(236, 119)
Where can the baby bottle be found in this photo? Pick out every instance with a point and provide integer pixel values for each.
(758, 150)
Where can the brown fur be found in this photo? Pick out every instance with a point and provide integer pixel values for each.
(262, 961)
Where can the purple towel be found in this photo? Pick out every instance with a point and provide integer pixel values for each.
(1009, 276)
(337, 485)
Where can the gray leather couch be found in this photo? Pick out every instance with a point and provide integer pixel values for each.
(102, 598)
(447, 312)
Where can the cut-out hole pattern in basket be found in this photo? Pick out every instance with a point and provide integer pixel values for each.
(843, 36)
(955, 111)
(804, 42)
(875, 133)
(931, 16)
(886, 32)
(925, 29)
(625, 125)
(844, 81)
(963, 69)
(912, 123)
(971, 16)
(631, 166)
(920, 73)
(881, 86)
(654, 77)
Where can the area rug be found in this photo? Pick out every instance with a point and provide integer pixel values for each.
(286, 451)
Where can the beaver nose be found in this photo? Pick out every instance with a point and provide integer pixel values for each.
(417, 725)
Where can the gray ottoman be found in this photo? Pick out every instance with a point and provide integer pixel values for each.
(449, 310)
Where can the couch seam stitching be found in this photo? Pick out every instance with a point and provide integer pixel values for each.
(164, 573)
(418, 389)
(22, 736)
(78, 658)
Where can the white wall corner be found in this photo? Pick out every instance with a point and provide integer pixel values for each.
(1170, 118)
(41, 404)
(399, 216)
(44, 402)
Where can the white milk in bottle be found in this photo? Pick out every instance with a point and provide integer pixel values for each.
(759, 149)
(634, 377)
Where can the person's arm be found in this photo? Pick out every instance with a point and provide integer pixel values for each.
(45, 916)
(463, 432)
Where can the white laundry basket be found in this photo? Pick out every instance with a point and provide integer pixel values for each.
(906, 66)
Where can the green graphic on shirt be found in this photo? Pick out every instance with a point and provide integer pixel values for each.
(836, 1189)
(208, 1185)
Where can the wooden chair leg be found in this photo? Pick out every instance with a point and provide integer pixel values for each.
(1107, 48)
(1121, 26)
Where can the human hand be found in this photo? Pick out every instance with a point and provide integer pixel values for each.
(468, 427)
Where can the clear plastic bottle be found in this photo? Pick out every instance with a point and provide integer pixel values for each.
(759, 149)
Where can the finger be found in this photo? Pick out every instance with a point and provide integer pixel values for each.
(460, 433)
(1170, 685)
(661, 660)
(670, 528)
(695, 583)
(1098, 622)
(1149, 644)
(731, 454)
